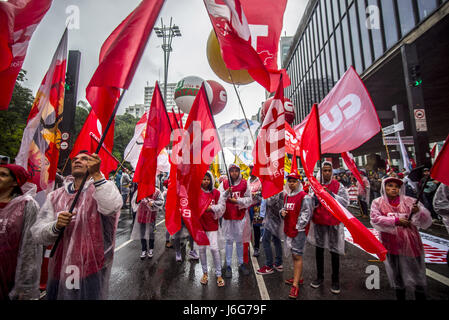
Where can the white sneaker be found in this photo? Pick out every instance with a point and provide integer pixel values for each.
(143, 255)
(178, 257)
(193, 255)
(150, 253)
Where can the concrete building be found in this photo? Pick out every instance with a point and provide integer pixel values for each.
(136, 110)
(400, 50)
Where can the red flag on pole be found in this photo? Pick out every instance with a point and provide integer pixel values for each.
(347, 115)
(269, 151)
(349, 161)
(310, 154)
(39, 150)
(18, 21)
(88, 139)
(238, 48)
(291, 140)
(191, 159)
(175, 119)
(157, 137)
(119, 58)
(439, 169)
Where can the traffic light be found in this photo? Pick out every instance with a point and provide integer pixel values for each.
(415, 75)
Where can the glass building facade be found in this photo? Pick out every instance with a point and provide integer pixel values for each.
(337, 34)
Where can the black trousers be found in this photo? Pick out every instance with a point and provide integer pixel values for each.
(335, 258)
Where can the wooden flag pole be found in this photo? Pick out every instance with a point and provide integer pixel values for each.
(75, 200)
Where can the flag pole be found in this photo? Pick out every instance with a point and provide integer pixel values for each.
(75, 200)
(386, 147)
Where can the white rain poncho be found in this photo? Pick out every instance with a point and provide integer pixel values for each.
(238, 230)
(441, 203)
(81, 266)
(145, 221)
(272, 219)
(405, 258)
(20, 256)
(331, 237)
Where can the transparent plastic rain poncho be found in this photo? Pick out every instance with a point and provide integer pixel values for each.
(81, 266)
(238, 230)
(20, 256)
(441, 203)
(272, 219)
(330, 237)
(405, 258)
(145, 220)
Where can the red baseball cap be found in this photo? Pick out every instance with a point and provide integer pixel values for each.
(294, 175)
(393, 179)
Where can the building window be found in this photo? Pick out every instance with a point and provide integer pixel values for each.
(406, 16)
(390, 23)
(347, 42)
(426, 7)
(329, 16)
(376, 34)
(341, 57)
(322, 7)
(355, 40)
(364, 33)
(333, 53)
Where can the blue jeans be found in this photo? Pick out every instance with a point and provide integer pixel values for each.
(268, 237)
(230, 248)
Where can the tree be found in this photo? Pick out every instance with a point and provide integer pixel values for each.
(13, 120)
(124, 131)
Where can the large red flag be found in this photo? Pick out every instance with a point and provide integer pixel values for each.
(439, 169)
(239, 48)
(349, 161)
(157, 137)
(347, 115)
(191, 159)
(119, 58)
(269, 151)
(18, 20)
(291, 140)
(39, 150)
(88, 139)
(310, 154)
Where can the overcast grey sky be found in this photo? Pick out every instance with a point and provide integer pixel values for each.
(98, 18)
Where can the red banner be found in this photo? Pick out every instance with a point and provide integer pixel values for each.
(349, 161)
(439, 169)
(291, 140)
(347, 115)
(269, 151)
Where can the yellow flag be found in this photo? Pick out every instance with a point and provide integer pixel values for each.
(244, 169)
(287, 164)
(215, 169)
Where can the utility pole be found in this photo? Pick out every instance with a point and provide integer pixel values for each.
(167, 33)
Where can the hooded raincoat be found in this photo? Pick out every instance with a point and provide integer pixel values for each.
(405, 258)
(20, 256)
(146, 214)
(441, 203)
(81, 266)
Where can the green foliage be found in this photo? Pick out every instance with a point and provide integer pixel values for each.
(13, 120)
(124, 131)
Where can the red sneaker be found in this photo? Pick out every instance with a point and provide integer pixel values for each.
(290, 281)
(293, 292)
(265, 270)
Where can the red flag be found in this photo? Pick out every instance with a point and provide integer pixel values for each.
(88, 139)
(291, 140)
(269, 151)
(175, 119)
(294, 163)
(349, 161)
(157, 137)
(119, 58)
(439, 169)
(347, 115)
(310, 154)
(432, 152)
(242, 51)
(39, 150)
(191, 159)
(18, 20)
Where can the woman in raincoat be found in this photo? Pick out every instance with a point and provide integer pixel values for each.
(398, 218)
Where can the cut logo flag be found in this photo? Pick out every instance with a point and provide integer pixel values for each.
(347, 115)
(119, 58)
(39, 150)
(241, 49)
(269, 151)
(349, 161)
(190, 160)
(18, 21)
(88, 139)
(439, 169)
(310, 154)
(157, 137)
(291, 140)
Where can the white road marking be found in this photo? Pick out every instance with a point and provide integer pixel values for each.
(260, 282)
(437, 276)
(129, 241)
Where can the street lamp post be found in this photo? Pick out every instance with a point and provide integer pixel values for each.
(167, 33)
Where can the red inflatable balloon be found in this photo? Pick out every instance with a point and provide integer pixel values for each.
(217, 96)
(288, 106)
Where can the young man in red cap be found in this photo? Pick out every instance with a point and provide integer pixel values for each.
(20, 256)
(297, 211)
(81, 266)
